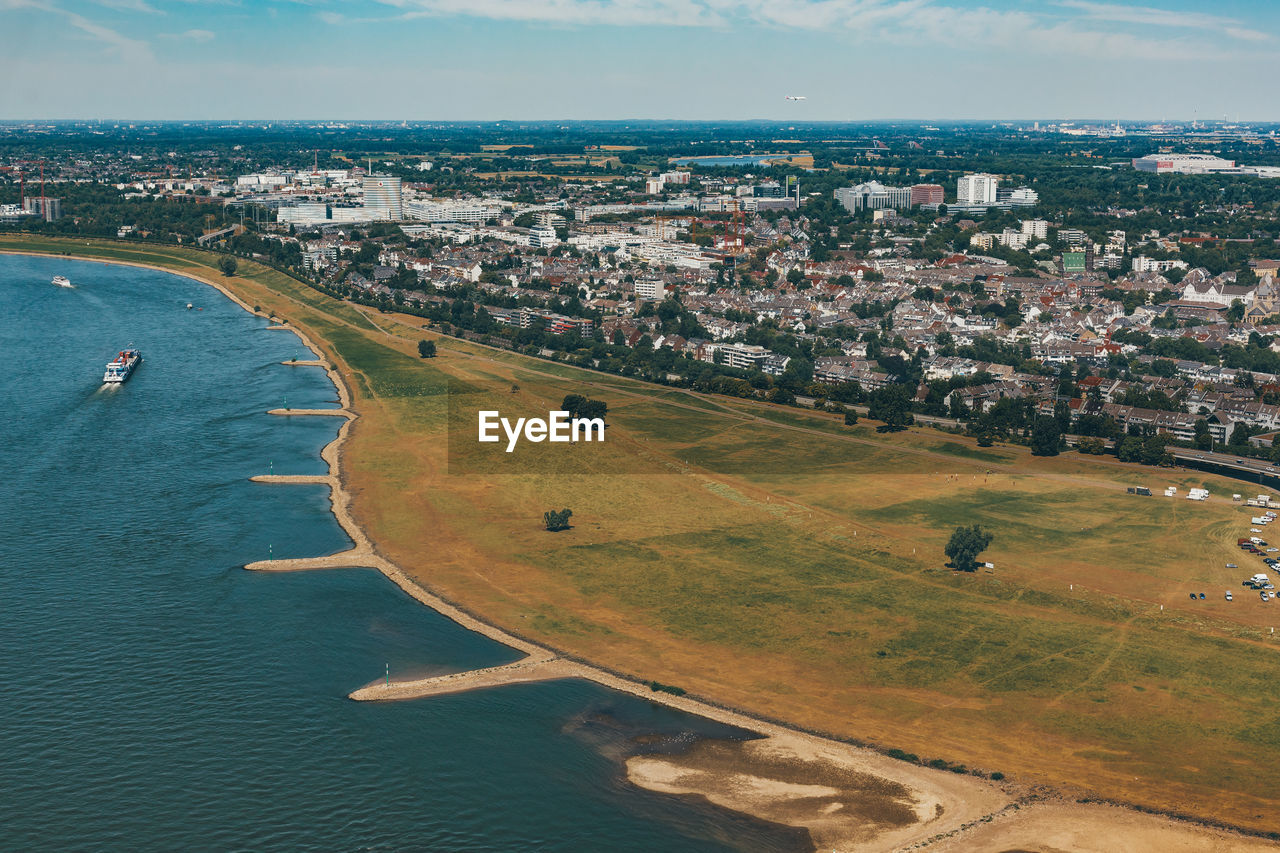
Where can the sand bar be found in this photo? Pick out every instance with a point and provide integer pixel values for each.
(529, 669)
(337, 413)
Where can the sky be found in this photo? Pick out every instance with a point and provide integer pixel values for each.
(853, 60)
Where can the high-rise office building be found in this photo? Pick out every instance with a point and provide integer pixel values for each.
(383, 191)
(977, 189)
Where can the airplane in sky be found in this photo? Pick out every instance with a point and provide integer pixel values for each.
(796, 97)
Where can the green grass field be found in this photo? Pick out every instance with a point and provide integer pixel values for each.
(777, 561)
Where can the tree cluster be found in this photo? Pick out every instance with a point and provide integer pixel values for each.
(579, 406)
(556, 520)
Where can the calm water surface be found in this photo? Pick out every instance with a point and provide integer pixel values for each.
(156, 696)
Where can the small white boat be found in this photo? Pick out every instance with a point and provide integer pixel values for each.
(62, 281)
(188, 306)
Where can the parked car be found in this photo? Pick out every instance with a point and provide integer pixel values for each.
(1228, 595)
(1232, 566)
(1264, 595)
(1193, 596)
(1202, 596)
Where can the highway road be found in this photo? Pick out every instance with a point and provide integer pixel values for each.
(1241, 467)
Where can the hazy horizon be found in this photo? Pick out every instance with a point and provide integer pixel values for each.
(674, 60)
(640, 120)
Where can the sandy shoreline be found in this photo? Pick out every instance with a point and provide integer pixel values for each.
(948, 811)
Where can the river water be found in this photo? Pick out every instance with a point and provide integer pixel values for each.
(156, 696)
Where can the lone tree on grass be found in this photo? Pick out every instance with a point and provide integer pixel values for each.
(850, 417)
(965, 545)
(427, 349)
(892, 405)
(228, 266)
(1045, 436)
(557, 520)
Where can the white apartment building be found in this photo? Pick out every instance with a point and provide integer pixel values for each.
(453, 211)
(1144, 264)
(260, 182)
(1037, 228)
(977, 189)
(743, 356)
(1022, 197)
(650, 289)
(543, 237)
(1015, 240)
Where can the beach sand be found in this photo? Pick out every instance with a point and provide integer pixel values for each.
(1053, 828)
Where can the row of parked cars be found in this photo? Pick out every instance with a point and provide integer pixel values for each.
(1259, 546)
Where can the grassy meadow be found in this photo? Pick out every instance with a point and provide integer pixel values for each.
(779, 562)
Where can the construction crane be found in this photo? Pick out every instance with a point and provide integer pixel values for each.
(733, 232)
(660, 226)
(22, 183)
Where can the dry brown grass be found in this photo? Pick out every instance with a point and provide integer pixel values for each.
(777, 562)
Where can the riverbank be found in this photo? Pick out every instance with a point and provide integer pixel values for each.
(962, 799)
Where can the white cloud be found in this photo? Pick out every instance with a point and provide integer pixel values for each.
(571, 12)
(1152, 17)
(122, 45)
(193, 35)
(130, 6)
(1024, 30)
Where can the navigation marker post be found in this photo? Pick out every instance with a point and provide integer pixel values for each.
(388, 676)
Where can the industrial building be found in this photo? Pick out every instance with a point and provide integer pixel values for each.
(1183, 164)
